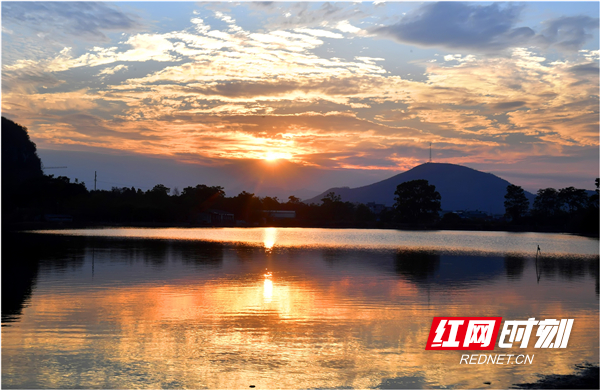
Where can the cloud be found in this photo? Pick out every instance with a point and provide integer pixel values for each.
(147, 47)
(233, 94)
(569, 33)
(27, 79)
(76, 19)
(485, 28)
(232, 104)
(306, 14)
(96, 129)
(345, 26)
(460, 26)
(113, 70)
(589, 68)
(319, 33)
(509, 105)
(142, 48)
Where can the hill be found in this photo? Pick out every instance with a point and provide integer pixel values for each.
(461, 188)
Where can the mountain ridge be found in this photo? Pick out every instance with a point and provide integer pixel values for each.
(461, 188)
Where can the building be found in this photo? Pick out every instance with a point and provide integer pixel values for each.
(216, 217)
(280, 214)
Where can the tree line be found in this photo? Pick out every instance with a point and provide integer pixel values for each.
(28, 195)
(567, 209)
(570, 208)
(125, 205)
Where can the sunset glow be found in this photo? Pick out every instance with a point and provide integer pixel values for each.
(355, 91)
(272, 156)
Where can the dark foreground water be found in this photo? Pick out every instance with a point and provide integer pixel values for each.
(193, 308)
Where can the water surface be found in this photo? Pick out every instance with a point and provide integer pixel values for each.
(446, 241)
(192, 308)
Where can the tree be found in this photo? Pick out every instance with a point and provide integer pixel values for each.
(417, 201)
(516, 203)
(575, 199)
(293, 203)
(160, 190)
(19, 154)
(363, 214)
(547, 203)
(202, 193)
(333, 208)
(331, 197)
(593, 200)
(270, 203)
(452, 219)
(246, 206)
(293, 200)
(591, 222)
(22, 177)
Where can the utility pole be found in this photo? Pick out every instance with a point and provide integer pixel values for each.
(95, 177)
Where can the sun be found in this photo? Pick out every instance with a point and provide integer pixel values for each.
(273, 156)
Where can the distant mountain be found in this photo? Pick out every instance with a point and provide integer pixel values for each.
(461, 188)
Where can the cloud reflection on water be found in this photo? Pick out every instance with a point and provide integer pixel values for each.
(208, 316)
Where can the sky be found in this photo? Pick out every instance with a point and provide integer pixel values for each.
(297, 97)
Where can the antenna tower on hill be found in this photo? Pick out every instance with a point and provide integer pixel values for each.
(430, 152)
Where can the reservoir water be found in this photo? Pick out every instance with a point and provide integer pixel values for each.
(282, 308)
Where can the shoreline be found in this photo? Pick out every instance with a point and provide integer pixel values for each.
(584, 377)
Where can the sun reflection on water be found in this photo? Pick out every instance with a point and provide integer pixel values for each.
(268, 287)
(268, 290)
(269, 238)
(285, 318)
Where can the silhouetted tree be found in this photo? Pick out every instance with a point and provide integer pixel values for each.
(246, 207)
(593, 200)
(200, 198)
(331, 197)
(363, 214)
(546, 203)
(160, 190)
(417, 201)
(21, 171)
(19, 155)
(591, 218)
(573, 198)
(330, 206)
(333, 209)
(516, 203)
(270, 203)
(293, 203)
(158, 206)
